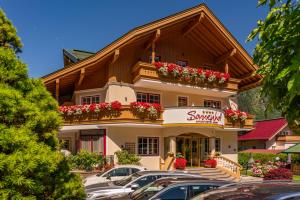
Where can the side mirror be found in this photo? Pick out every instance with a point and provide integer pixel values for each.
(135, 186)
(108, 177)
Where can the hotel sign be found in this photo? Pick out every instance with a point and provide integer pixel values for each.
(193, 116)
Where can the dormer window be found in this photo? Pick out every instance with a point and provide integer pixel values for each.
(90, 99)
(182, 63)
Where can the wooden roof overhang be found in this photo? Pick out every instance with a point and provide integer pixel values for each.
(198, 24)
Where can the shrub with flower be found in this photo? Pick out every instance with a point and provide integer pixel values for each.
(189, 74)
(210, 163)
(180, 162)
(79, 111)
(146, 110)
(278, 174)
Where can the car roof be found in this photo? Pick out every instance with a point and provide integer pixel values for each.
(130, 166)
(160, 172)
(251, 190)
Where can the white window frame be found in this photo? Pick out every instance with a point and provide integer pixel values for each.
(147, 154)
(187, 99)
(91, 98)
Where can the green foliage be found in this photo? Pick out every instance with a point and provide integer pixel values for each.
(278, 55)
(265, 157)
(252, 102)
(85, 160)
(125, 158)
(31, 167)
(8, 34)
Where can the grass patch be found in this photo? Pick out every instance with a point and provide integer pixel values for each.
(296, 178)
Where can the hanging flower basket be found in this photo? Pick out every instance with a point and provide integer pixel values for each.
(146, 110)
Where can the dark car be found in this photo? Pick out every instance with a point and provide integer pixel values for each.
(127, 185)
(271, 190)
(182, 188)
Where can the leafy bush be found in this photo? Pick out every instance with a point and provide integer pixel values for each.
(125, 158)
(85, 160)
(262, 157)
(279, 174)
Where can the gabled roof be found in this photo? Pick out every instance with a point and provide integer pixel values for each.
(293, 149)
(249, 80)
(265, 130)
(76, 55)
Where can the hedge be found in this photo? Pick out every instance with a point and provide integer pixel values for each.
(265, 157)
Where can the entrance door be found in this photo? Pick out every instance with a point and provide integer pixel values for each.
(189, 147)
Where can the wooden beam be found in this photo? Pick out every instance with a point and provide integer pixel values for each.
(226, 67)
(116, 56)
(191, 26)
(81, 76)
(153, 40)
(225, 56)
(250, 86)
(245, 76)
(111, 76)
(57, 89)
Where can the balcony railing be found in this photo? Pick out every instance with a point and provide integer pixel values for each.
(143, 70)
(172, 116)
(125, 115)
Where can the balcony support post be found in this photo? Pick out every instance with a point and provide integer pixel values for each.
(112, 77)
(226, 67)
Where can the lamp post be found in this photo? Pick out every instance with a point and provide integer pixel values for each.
(249, 163)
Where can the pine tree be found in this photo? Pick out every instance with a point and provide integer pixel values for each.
(31, 166)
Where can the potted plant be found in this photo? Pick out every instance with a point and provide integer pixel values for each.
(210, 163)
(180, 162)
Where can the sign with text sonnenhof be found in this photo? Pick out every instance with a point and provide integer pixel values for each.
(193, 115)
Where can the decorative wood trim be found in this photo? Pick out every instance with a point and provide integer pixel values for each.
(111, 76)
(116, 56)
(225, 56)
(57, 89)
(191, 26)
(81, 77)
(154, 39)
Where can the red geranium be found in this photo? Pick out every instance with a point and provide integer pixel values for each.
(211, 163)
(180, 163)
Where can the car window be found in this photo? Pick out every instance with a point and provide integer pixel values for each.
(176, 193)
(118, 172)
(133, 170)
(146, 180)
(197, 189)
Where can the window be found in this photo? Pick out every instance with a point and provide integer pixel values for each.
(146, 180)
(197, 189)
(92, 140)
(119, 172)
(156, 59)
(66, 144)
(212, 104)
(182, 101)
(147, 97)
(206, 145)
(179, 192)
(182, 63)
(130, 147)
(90, 99)
(134, 170)
(148, 146)
(218, 144)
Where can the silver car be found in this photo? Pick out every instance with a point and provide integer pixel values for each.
(127, 185)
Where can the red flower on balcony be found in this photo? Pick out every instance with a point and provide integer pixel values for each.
(146, 110)
(235, 115)
(189, 74)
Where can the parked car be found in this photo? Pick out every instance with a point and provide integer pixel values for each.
(114, 174)
(270, 190)
(127, 185)
(182, 188)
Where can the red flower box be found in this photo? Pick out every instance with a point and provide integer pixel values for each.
(180, 163)
(210, 163)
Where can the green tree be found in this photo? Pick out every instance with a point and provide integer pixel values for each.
(278, 55)
(31, 166)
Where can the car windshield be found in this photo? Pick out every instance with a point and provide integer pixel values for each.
(148, 190)
(127, 180)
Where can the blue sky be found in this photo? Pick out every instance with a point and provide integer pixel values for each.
(48, 26)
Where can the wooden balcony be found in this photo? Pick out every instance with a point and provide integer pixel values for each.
(143, 70)
(289, 138)
(124, 116)
(248, 124)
